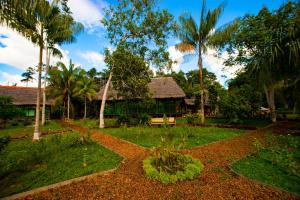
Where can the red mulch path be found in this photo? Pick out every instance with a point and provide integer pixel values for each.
(216, 181)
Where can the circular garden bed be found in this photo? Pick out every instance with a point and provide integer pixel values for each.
(172, 167)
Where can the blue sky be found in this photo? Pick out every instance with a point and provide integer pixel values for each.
(16, 53)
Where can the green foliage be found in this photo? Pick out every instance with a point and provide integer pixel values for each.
(131, 73)
(167, 165)
(4, 140)
(28, 75)
(276, 162)
(186, 168)
(192, 119)
(7, 110)
(141, 28)
(235, 108)
(57, 158)
(282, 151)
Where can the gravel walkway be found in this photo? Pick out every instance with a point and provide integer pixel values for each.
(216, 181)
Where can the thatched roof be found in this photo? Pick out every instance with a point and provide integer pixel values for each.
(160, 88)
(21, 95)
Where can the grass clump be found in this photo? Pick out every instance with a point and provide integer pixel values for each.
(276, 162)
(25, 165)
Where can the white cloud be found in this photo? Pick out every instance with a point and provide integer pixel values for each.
(87, 12)
(214, 63)
(176, 57)
(94, 58)
(10, 79)
(20, 52)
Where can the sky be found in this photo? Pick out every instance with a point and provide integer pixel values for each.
(17, 53)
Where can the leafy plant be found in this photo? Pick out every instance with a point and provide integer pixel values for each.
(4, 140)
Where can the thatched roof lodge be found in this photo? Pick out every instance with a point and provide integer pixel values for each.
(22, 96)
(160, 88)
(167, 94)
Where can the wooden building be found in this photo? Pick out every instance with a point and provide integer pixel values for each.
(24, 98)
(167, 98)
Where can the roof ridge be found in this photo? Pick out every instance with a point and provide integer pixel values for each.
(18, 87)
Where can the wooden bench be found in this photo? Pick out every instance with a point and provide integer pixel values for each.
(160, 121)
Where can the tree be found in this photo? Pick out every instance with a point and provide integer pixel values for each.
(85, 87)
(131, 74)
(36, 20)
(195, 39)
(63, 31)
(267, 44)
(28, 75)
(140, 28)
(62, 83)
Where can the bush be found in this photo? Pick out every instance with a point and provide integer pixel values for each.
(192, 119)
(186, 168)
(4, 140)
(144, 119)
(123, 120)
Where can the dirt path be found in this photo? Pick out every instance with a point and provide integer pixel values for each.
(128, 182)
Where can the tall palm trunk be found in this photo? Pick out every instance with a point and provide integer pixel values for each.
(101, 125)
(269, 91)
(84, 117)
(45, 84)
(68, 107)
(36, 134)
(202, 117)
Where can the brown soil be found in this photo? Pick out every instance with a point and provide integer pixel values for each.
(216, 181)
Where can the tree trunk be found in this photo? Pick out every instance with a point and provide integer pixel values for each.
(202, 115)
(45, 84)
(68, 117)
(36, 134)
(84, 117)
(101, 125)
(269, 91)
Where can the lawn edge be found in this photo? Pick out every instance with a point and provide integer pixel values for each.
(255, 180)
(63, 183)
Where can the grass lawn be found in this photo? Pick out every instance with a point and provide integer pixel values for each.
(28, 130)
(261, 168)
(151, 136)
(25, 165)
(94, 123)
(221, 121)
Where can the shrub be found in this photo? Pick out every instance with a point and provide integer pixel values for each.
(192, 119)
(4, 140)
(144, 119)
(123, 120)
(189, 169)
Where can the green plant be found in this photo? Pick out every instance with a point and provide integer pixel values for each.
(123, 119)
(184, 168)
(144, 119)
(4, 140)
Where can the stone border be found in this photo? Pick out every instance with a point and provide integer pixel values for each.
(60, 184)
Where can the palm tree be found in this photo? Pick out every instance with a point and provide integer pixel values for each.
(28, 75)
(62, 83)
(36, 20)
(194, 39)
(85, 87)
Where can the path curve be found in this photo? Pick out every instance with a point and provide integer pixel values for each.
(215, 182)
